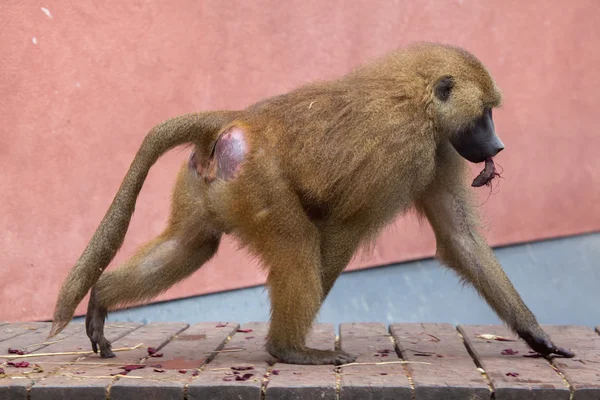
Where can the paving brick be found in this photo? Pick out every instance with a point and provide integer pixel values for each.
(371, 342)
(451, 373)
(90, 376)
(535, 379)
(31, 340)
(187, 352)
(582, 371)
(299, 382)
(8, 331)
(213, 382)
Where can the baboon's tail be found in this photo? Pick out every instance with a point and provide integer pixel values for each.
(108, 238)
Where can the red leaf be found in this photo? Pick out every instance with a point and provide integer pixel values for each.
(159, 370)
(153, 352)
(244, 377)
(132, 367)
(275, 372)
(241, 368)
(183, 371)
(509, 352)
(513, 374)
(196, 373)
(16, 351)
(244, 330)
(21, 364)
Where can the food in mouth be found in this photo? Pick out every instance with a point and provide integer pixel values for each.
(486, 176)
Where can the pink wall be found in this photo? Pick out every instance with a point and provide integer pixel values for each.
(82, 82)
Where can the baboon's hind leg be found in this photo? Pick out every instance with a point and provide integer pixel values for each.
(338, 246)
(188, 242)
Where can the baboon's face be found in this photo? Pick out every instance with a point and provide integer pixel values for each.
(478, 142)
(464, 114)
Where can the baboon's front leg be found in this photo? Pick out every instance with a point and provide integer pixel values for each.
(464, 250)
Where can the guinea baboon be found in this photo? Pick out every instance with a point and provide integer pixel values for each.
(303, 180)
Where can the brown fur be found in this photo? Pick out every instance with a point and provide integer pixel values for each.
(327, 166)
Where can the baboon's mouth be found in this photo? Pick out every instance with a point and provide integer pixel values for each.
(486, 176)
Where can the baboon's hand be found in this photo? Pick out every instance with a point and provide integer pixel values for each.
(543, 345)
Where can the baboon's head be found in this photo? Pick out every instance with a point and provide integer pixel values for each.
(464, 95)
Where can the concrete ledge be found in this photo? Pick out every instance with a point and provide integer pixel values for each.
(218, 360)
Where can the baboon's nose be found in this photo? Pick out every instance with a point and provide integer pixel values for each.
(498, 146)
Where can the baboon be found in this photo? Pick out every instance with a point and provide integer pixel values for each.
(306, 178)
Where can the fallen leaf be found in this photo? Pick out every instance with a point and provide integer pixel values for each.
(196, 373)
(275, 372)
(383, 373)
(183, 371)
(489, 336)
(16, 351)
(154, 352)
(509, 352)
(513, 374)
(244, 330)
(159, 370)
(244, 377)
(132, 367)
(21, 364)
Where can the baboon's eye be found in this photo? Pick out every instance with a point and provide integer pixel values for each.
(443, 88)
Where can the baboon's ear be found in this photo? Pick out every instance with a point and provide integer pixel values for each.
(443, 87)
